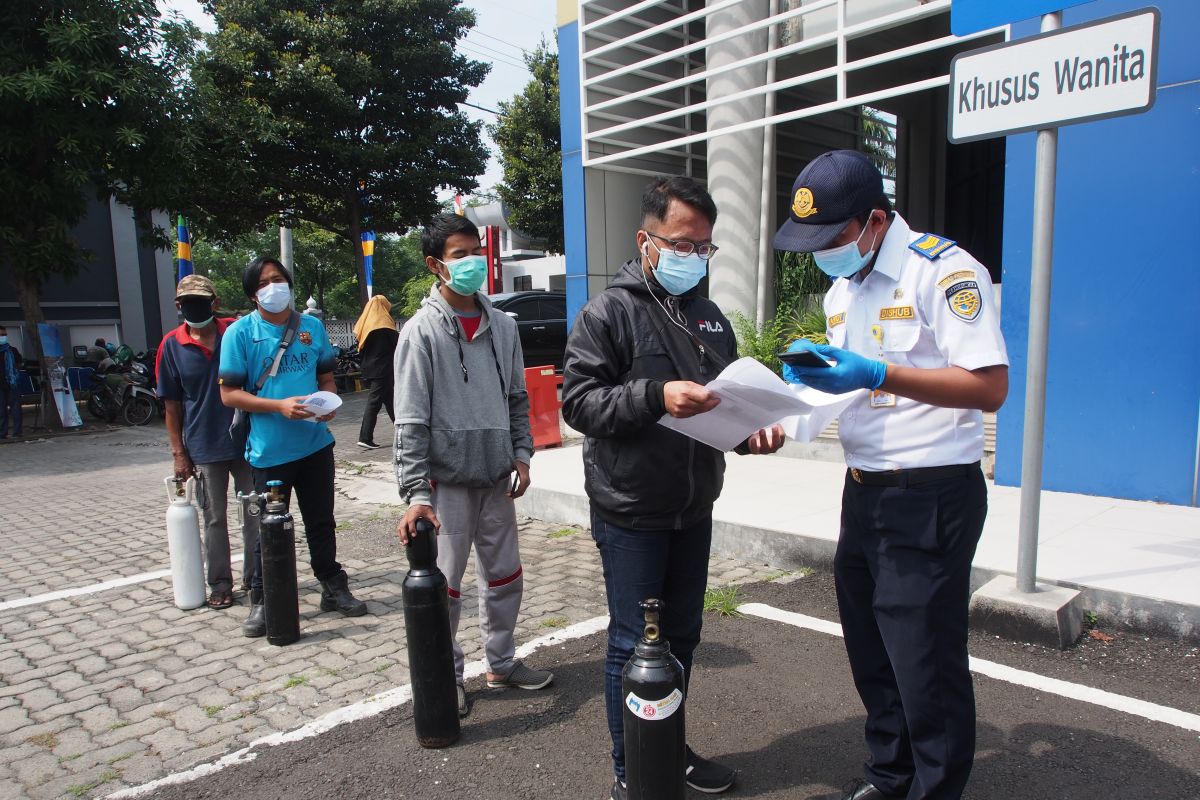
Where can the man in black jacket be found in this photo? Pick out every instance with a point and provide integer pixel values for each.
(642, 348)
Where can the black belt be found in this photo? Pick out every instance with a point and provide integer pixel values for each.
(912, 477)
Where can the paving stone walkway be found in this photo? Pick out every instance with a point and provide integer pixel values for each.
(112, 689)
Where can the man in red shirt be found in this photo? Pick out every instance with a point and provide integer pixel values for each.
(198, 428)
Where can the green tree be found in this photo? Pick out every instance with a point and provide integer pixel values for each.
(306, 101)
(90, 105)
(527, 134)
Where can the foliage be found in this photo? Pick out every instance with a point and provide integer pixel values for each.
(797, 279)
(527, 134)
(879, 141)
(416, 290)
(723, 601)
(803, 323)
(91, 99)
(760, 342)
(303, 102)
(324, 267)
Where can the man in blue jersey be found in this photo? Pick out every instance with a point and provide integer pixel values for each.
(285, 444)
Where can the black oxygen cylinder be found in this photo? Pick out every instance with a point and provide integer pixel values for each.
(427, 629)
(281, 602)
(653, 692)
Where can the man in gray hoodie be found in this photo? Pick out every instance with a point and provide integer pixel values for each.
(463, 445)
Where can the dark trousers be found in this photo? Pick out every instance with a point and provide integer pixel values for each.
(312, 479)
(10, 406)
(671, 565)
(903, 573)
(381, 396)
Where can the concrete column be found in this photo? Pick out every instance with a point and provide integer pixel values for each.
(735, 161)
(164, 270)
(129, 275)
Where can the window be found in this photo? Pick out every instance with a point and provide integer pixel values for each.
(522, 283)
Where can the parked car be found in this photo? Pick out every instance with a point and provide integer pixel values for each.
(541, 318)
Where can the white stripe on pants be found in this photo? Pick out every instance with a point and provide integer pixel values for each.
(486, 518)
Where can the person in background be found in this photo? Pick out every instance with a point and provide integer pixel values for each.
(914, 329)
(462, 445)
(642, 348)
(10, 386)
(285, 443)
(376, 335)
(187, 366)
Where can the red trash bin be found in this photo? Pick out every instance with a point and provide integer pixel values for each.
(542, 385)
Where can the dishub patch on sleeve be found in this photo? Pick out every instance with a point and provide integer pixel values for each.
(931, 246)
(965, 300)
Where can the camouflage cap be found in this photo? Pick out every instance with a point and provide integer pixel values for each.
(195, 286)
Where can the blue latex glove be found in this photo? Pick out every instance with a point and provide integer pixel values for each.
(851, 371)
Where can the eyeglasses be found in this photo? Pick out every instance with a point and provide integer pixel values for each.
(685, 247)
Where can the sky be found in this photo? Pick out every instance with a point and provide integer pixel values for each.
(503, 29)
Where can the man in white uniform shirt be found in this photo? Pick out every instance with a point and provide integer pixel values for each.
(911, 320)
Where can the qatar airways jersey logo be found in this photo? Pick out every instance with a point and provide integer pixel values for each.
(710, 326)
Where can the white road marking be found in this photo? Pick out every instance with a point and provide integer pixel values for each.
(93, 588)
(363, 709)
(1020, 677)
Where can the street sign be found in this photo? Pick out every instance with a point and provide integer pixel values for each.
(1105, 68)
(971, 16)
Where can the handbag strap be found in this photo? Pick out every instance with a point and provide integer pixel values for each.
(288, 335)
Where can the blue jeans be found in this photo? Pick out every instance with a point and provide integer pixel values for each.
(671, 565)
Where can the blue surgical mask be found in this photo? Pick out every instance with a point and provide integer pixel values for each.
(844, 261)
(3, 340)
(466, 274)
(274, 297)
(678, 274)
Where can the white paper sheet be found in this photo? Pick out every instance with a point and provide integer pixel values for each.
(752, 398)
(321, 404)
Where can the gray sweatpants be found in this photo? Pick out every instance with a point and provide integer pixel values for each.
(486, 518)
(211, 493)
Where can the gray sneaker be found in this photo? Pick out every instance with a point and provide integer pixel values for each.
(522, 677)
(464, 704)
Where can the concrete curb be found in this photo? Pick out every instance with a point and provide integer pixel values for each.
(790, 550)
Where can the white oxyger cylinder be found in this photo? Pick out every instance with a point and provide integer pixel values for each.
(183, 541)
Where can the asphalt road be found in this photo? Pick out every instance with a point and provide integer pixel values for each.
(773, 701)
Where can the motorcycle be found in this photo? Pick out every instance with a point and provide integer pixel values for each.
(124, 390)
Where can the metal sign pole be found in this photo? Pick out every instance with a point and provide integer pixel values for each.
(1033, 444)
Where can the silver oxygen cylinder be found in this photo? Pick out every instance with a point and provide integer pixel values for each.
(183, 542)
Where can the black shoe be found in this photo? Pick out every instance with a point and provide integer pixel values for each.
(368, 445)
(619, 791)
(335, 596)
(255, 624)
(707, 776)
(858, 789)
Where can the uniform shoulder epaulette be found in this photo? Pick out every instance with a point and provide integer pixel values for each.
(931, 246)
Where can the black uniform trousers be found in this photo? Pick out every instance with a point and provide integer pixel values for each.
(903, 572)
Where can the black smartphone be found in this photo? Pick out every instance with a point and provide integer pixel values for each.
(802, 358)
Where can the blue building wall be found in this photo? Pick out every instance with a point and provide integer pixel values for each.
(574, 201)
(1123, 391)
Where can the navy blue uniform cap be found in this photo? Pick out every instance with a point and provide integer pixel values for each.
(827, 193)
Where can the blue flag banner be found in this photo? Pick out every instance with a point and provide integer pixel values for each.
(368, 249)
(184, 249)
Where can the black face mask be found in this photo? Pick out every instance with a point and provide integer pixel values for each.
(197, 311)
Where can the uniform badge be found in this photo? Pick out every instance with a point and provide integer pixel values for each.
(898, 294)
(305, 338)
(897, 312)
(931, 246)
(954, 277)
(965, 300)
(836, 319)
(802, 203)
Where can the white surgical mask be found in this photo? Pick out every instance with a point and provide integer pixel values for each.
(274, 297)
(844, 261)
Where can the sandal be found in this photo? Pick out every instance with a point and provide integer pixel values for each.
(220, 599)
